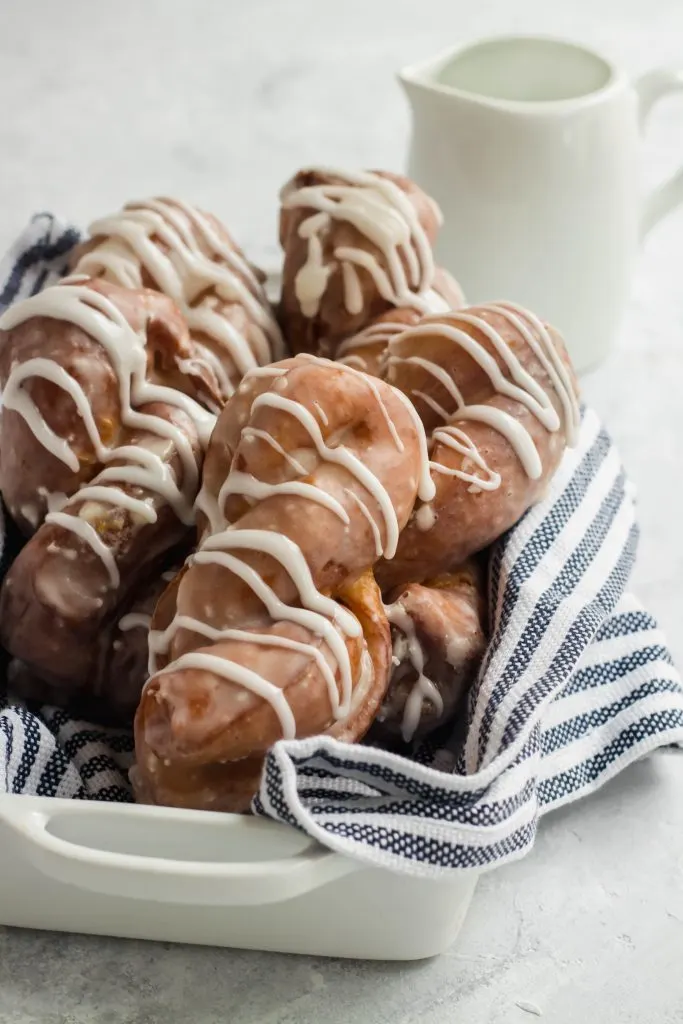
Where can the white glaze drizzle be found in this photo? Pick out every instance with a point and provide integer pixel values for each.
(263, 435)
(194, 366)
(248, 486)
(511, 428)
(376, 334)
(115, 496)
(291, 558)
(432, 403)
(425, 517)
(426, 488)
(185, 271)
(240, 674)
(324, 419)
(264, 371)
(371, 385)
(54, 500)
(365, 512)
(548, 354)
(320, 615)
(158, 476)
(356, 361)
(134, 620)
(207, 504)
(456, 439)
(520, 386)
(161, 641)
(89, 535)
(311, 279)
(15, 398)
(423, 687)
(99, 318)
(341, 456)
(164, 481)
(353, 291)
(436, 302)
(383, 213)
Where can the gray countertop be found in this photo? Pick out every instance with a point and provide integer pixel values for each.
(219, 102)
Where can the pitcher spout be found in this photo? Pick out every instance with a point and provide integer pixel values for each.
(422, 83)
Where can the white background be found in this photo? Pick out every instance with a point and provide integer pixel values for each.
(219, 102)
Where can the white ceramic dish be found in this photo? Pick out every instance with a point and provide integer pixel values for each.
(212, 879)
(224, 880)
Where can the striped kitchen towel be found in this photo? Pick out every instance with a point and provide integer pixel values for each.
(576, 684)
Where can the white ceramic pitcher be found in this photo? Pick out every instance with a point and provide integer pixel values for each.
(530, 146)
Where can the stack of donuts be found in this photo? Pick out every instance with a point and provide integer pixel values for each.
(248, 522)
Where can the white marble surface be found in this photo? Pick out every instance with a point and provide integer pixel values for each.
(219, 102)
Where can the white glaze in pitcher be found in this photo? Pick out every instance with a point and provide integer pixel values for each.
(531, 147)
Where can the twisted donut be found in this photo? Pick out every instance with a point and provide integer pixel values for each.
(356, 245)
(188, 255)
(100, 430)
(276, 627)
(366, 350)
(438, 639)
(494, 388)
(117, 654)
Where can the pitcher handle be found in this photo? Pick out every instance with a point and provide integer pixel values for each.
(652, 87)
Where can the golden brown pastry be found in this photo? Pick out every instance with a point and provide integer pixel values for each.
(495, 390)
(367, 349)
(438, 631)
(106, 687)
(321, 484)
(75, 362)
(276, 627)
(187, 254)
(356, 245)
(100, 429)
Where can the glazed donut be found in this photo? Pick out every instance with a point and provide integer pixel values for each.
(355, 246)
(495, 390)
(117, 667)
(366, 350)
(276, 627)
(438, 631)
(337, 511)
(188, 255)
(100, 430)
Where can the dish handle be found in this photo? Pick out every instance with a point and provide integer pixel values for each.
(169, 855)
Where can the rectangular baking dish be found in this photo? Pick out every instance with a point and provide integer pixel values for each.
(213, 879)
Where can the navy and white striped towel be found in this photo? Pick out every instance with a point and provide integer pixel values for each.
(577, 683)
